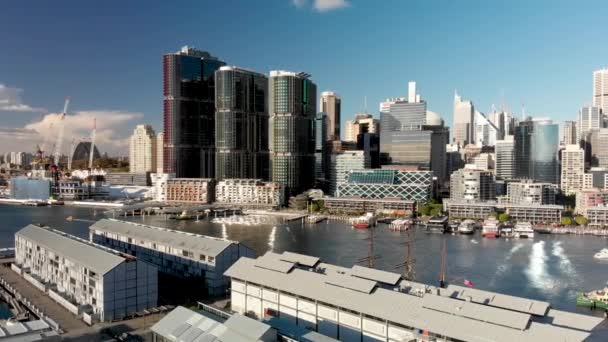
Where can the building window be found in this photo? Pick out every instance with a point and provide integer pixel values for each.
(211, 259)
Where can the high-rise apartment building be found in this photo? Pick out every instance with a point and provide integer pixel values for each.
(363, 123)
(142, 150)
(344, 162)
(292, 108)
(505, 158)
(569, 133)
(241, 124)
(536, 150)
(330, 103)
(600, 89)
(464, 121)
(573, 169)
(189, 112)
(589, 118)
(471, 183)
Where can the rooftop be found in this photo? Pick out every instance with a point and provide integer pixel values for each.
(194, 242)
(94, 257)
(460, 313)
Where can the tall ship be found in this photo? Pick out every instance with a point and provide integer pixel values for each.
(466, 227)
(523, 230)
(363, 222)
(491, 228)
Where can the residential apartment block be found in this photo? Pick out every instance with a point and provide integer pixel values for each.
(250, 192)
(189, 190)
(471, 183)
(529, 192)
(91, 281)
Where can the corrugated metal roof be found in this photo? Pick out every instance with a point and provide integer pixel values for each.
(400, 308)
(192, 242)
(377, 275)
(94, 257)
(356, 284)
(534, 307)
(301, 259)
(271, 262)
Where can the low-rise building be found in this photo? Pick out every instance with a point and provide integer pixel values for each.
(177, 255)
(534, 213)
(530, 192)
(354, 205)
(405, 184)
(250, 192)
(190, 190)
(128, 178)
(342, 163)
(78, 189)
(597, 216)
(590, 198)
(364, 304)
(87, 279)
(24, 188)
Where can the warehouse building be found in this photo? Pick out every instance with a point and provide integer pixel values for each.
(177, 255)
(89, 280)
(363, 304)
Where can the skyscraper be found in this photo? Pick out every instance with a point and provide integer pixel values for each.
(569, 133)
(598, 145)
(292, 108)
(589, 118)
(160, 137)
(142, 150)
(331, 105)
(189, 112)
(241, 124)
(573, 169)
(536, 150)
(464, 121)
(505, 158)
(321, 149)
(600, 89)
(363, 123)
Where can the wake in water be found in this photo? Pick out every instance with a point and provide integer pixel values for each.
(271, 238)
(566, 269)
(506, 264)
(537, 268)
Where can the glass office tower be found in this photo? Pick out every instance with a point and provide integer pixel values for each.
(536, 151)
(241, 124)
(292, 108)
(189, 113)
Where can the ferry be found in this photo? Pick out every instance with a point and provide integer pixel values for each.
(491, 228)
(437, 224)
(523, 230)
(363, 222)
(467, 227)
(506, 231)
(595, 299)
(603, 254)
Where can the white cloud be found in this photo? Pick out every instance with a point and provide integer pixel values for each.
(330, 5)
(322, 5)
(10, 101)
(112, 134)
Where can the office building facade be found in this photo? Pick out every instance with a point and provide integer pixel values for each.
(160, 139)
(464, 121)
(370, 144)
(189, 113)
(597, 147)
(142, 150)
(343, 162)
(250, 192)
(529, 192)
(600, 89)
(472, 184)
(536, 151)
(363, 123)
(83, 277)
(589, 118)
(331, 104)
(569, 133)
(321, 150)
(292, 108)
(241, 124)
(410, 185)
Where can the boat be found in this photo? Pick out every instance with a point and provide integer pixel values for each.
(603, 254)
(467, 227)
(453, 226)
(400, 224)
(506, 231)
(597, 299)
(363, 222)
(69, 218)
(491, 228)
(523, 230)
(437, 224)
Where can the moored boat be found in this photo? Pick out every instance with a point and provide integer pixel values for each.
(603, 254)
(363, 222)
(597, 299)
(437, 224)
(491, 228)
(523, 230)
(466, 227)
(506, 231)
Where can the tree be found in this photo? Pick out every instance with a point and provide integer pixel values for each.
(504, 217)
(425, 210)
(435, 211)
(566, 221)
(493, 214)
(581, 220)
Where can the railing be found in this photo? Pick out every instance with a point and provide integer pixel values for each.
(213, 310)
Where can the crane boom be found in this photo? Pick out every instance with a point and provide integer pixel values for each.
(92, 151)
(61, 131)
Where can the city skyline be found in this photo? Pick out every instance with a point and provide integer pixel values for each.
(123, 89)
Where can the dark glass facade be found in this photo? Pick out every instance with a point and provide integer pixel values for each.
(321, 149)
(536, 151)
(370, 143)
(189, 113)
(292, 108)
(241, 124)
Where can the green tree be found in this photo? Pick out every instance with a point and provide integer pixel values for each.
(566, 221)
(436, 211)
(504, 217)
(581, 220)
(493, 214)
(425, 210)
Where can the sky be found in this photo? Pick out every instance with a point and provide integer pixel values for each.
(106, 56)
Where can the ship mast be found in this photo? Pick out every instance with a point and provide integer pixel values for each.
(408, 262)
(371, 257)
(443, 265)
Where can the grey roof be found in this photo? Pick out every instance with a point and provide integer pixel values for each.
(94, 257)
(185, 325)
(377, 275)
(301, 259)
(477, 322)
(193, 242)
(271, 261)
(520, 304)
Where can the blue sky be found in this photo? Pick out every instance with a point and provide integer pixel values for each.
(107, 55)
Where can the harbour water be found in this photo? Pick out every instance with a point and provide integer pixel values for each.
(549, 267)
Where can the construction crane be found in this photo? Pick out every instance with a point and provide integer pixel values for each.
(61, 131)
(92, 151)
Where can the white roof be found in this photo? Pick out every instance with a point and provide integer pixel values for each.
(92, 256)
(193, 242)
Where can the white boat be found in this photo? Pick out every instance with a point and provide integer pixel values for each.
(363, 222)
(603, 254)
(491, 228)
(467, 227)
(523, 230)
